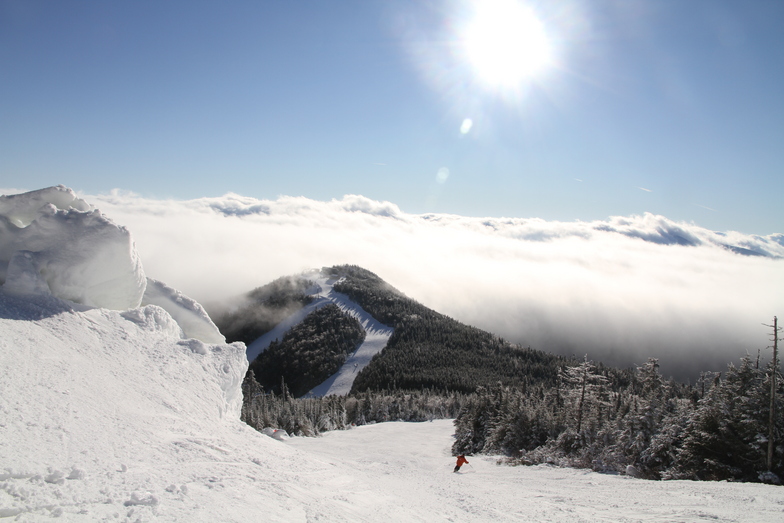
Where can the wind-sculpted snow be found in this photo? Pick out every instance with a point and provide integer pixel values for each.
(51, 241)
(94, 400)
(189, 314)
(376, 335)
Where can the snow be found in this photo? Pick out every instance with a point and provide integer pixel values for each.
(51, 241)
(376, 334)
(105, 417)
(189, 314)
(102, 407)
(412, 464)
(119, 415)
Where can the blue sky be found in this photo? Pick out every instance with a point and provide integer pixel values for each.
(669, 107)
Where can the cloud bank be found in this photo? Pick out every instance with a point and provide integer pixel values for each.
(620, 290)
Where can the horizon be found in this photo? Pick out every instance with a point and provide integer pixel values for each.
(603, 109)
(621, 290)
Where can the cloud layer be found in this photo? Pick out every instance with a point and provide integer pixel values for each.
(620, 290)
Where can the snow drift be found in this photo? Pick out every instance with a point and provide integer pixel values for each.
(52, 241)
(188, 313)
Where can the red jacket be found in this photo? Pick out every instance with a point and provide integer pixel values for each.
(461, 460)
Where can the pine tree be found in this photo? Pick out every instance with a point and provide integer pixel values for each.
(585, 391)
(725, 439)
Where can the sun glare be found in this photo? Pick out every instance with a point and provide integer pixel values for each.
(505, 43)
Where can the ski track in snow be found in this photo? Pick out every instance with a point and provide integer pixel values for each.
(376, 335)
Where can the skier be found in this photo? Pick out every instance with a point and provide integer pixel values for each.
(460, 461)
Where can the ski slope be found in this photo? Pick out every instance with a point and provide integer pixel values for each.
(113, 416)
(376, 334)
(403, 472)
(132, 414)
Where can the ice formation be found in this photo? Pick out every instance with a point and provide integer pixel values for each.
(53, 242)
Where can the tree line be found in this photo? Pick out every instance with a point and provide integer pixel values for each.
(313, 416)
(650, 427)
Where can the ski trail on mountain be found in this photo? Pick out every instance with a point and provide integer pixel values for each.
(376, 335)
(262, 343)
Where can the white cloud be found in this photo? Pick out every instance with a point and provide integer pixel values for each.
(620, 290)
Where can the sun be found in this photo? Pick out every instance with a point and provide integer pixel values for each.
(505, 43)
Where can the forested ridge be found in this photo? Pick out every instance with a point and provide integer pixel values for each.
(427, 349)
(261, 309)
(431, 350)
(309, 353)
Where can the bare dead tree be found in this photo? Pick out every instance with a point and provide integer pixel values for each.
(774, 371)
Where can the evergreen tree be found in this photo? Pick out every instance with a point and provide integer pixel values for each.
(726, 437)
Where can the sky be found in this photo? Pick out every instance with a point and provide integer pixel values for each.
(609, 108)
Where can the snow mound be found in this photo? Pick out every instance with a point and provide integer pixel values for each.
(96, 402)
(154, 318)
(53, 242)
(189, 314)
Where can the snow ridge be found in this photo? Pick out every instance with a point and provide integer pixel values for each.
(53, 242)
(376, 334)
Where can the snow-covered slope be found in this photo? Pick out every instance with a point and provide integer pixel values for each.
(122, 415)
(112, 415)
(376, 334)
(412, 463)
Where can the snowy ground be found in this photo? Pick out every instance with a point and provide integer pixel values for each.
(376, 335)
(411, 463)
(133, 415)
(111, 416)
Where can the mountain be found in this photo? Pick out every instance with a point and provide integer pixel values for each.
(345, 324)
(128, 410)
